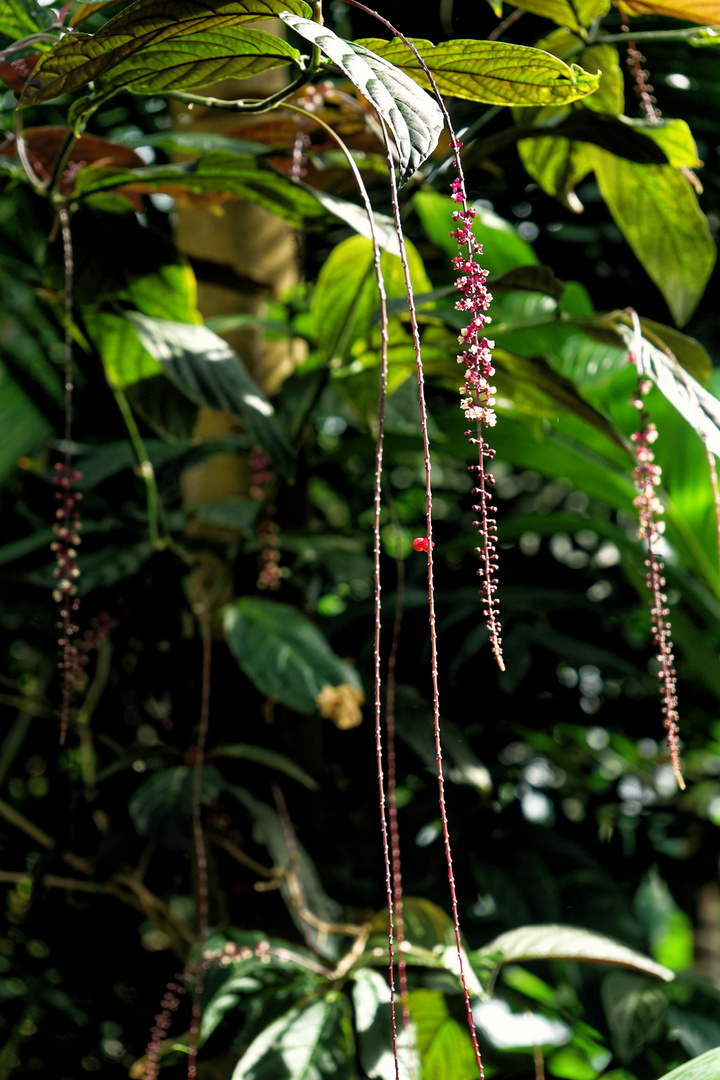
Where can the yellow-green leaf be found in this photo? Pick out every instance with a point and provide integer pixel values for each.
(610, 95)
(675, 139)
(658, 213)
(566, 13)
(493, 72)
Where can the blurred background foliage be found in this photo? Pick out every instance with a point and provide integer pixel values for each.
(562, 806)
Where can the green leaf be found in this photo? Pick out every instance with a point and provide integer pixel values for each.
(610, 95)
(310, 1042)
(675, 139)
(263, 756)
(668, 928)
(217, 173)
(635, 1010)
(161, 808)
(413, 117)
(445, 1048)
(697, 405)
(345, 302)
(22, 424)
(124, 358)
(205, 368)
(283, 653)
(574, 14)
(493, 72)
(503, 248)
(566, 943)
(237, 512)
(356, 217)
(163, 30)
(706, 1067)
(20, 18)
(657, 211)
(373, 1022)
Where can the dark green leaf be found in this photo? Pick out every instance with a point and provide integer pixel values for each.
(237, 513)
(217, 174)
(161, 808)
(530, 279)
(211, 373)
(162, 29)
(283, 653)
(22, 424)
(658, 213)
(493, 72)
(102, 568)
(413, 117)
(310, 1042)
(635, 1010)
(262, 756)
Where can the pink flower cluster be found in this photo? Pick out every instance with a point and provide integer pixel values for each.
(647, 476)
(67, 529)
(478, 399)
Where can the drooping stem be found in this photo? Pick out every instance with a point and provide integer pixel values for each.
(198, 836)
(145, 468)
(431, 611)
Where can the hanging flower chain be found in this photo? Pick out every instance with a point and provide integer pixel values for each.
(647, 476)
(67, 529)
(478, 397)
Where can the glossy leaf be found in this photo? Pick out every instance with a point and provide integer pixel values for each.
(566, 943)
(313, 1042)
(219, 176)
(205, 368)
(373, 1022)
(697, 405)
(414, 118)
(161, 808)
(699, 11)
(657, 211)
(493, 72)
(261, 755)
(283, 653)
(161, 30)
(445, 1048)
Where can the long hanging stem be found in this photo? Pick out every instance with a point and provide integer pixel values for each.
(431, 612)
(199, 838)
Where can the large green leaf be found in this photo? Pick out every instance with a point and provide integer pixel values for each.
(216, 173)
(264, 756)
(445, 1048)
(706, 1067)
(205, 368)
(373, 1022)
(635, 1010)
(188, 32)
(565, 943)
(413, 117)
(311, 1042)
(493, 72)
(161, 808)
(658, 213)
(283, 653)
(345, 302)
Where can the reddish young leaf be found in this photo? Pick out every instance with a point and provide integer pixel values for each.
(15, 73)
(43, 145)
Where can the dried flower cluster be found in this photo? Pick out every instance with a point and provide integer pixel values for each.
(67, 529)
(163, 1021)
(478, 397)
(647, 476)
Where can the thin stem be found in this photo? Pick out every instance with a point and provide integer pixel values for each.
(259, 106)
(146, 470)
(200, 850)
(654, 35)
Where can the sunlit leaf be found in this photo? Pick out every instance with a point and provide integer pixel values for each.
(699, 11)
(493, 72)
(283, 653)
(313, 1041)
(566, 12)
(205, 368)
(567, 943)
(82, 58)
(356, 217)
(413, 117)
(373, 1022)
(610, 94)
(445, 1048)
(657, 211)
(18, 18)
(706, 1067)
